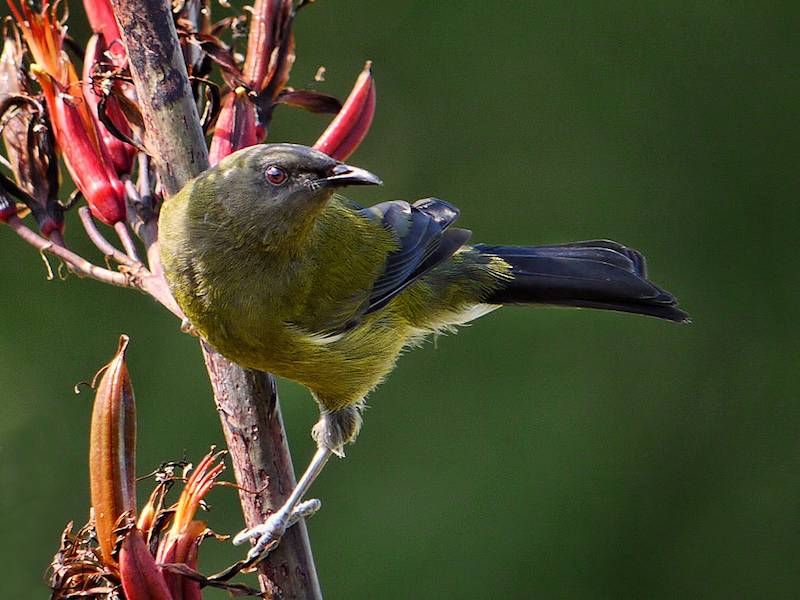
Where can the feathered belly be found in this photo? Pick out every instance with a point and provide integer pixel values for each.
(338, 369)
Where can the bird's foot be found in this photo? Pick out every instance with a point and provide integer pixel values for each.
(187, 327)
(268, 535)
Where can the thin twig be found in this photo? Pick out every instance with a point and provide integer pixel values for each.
(79, 265)
(144, 222)
(125, 238)
(135, 275)
(144, 184)
(102, 244)
(142, 217)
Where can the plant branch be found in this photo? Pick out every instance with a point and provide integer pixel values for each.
(246, 401)
(76, 263)
(124, 235)
(100, 242)
(134, 275)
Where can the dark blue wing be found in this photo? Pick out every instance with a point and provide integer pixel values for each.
(424, 240)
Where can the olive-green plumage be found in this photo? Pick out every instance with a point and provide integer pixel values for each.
(271, 287)
(281, 275)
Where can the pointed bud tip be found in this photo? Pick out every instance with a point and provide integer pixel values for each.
(122, 346)
(349, 128)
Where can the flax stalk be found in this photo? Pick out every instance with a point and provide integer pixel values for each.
(247, 401)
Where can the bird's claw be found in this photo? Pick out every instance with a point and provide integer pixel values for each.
(187, 327)
(268, 535)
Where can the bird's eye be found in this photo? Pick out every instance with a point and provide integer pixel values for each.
(276, 175)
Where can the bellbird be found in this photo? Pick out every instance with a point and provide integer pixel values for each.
(281, 274)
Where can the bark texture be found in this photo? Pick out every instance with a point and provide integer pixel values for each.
(246, 401)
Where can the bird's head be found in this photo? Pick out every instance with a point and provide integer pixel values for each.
(277, 188)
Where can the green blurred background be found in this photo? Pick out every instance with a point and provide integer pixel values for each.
(538, 453)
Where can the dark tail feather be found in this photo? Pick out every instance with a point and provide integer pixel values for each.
(595, 274)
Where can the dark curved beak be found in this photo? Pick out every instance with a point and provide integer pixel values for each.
(343, 175)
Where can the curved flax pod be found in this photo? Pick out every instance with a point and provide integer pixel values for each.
(348, 129)
(112, 450)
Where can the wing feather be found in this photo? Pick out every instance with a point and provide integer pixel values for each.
(424, 242)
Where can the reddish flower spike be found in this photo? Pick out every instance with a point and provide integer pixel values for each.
(102, 21)
(84, 153)
(181, 543)
(122, 155)
(350, 126)
(236, 126)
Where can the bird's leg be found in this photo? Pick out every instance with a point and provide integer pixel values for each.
(269, 533)
(187, 327)
(332, 432)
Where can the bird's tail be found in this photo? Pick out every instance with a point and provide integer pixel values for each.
(595, 274)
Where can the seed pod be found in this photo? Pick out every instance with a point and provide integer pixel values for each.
(350, 126)
(112, 449)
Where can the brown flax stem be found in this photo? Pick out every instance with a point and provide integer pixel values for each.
(246, 401)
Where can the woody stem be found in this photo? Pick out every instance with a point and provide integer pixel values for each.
(246, 401)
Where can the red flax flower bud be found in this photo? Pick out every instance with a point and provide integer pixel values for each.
(121, 154)
(181, 542)
(112, 450)
(141, 577)
(102, 21)
(236, 126)
(350, 126)
(262, 38)
(84, 152)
